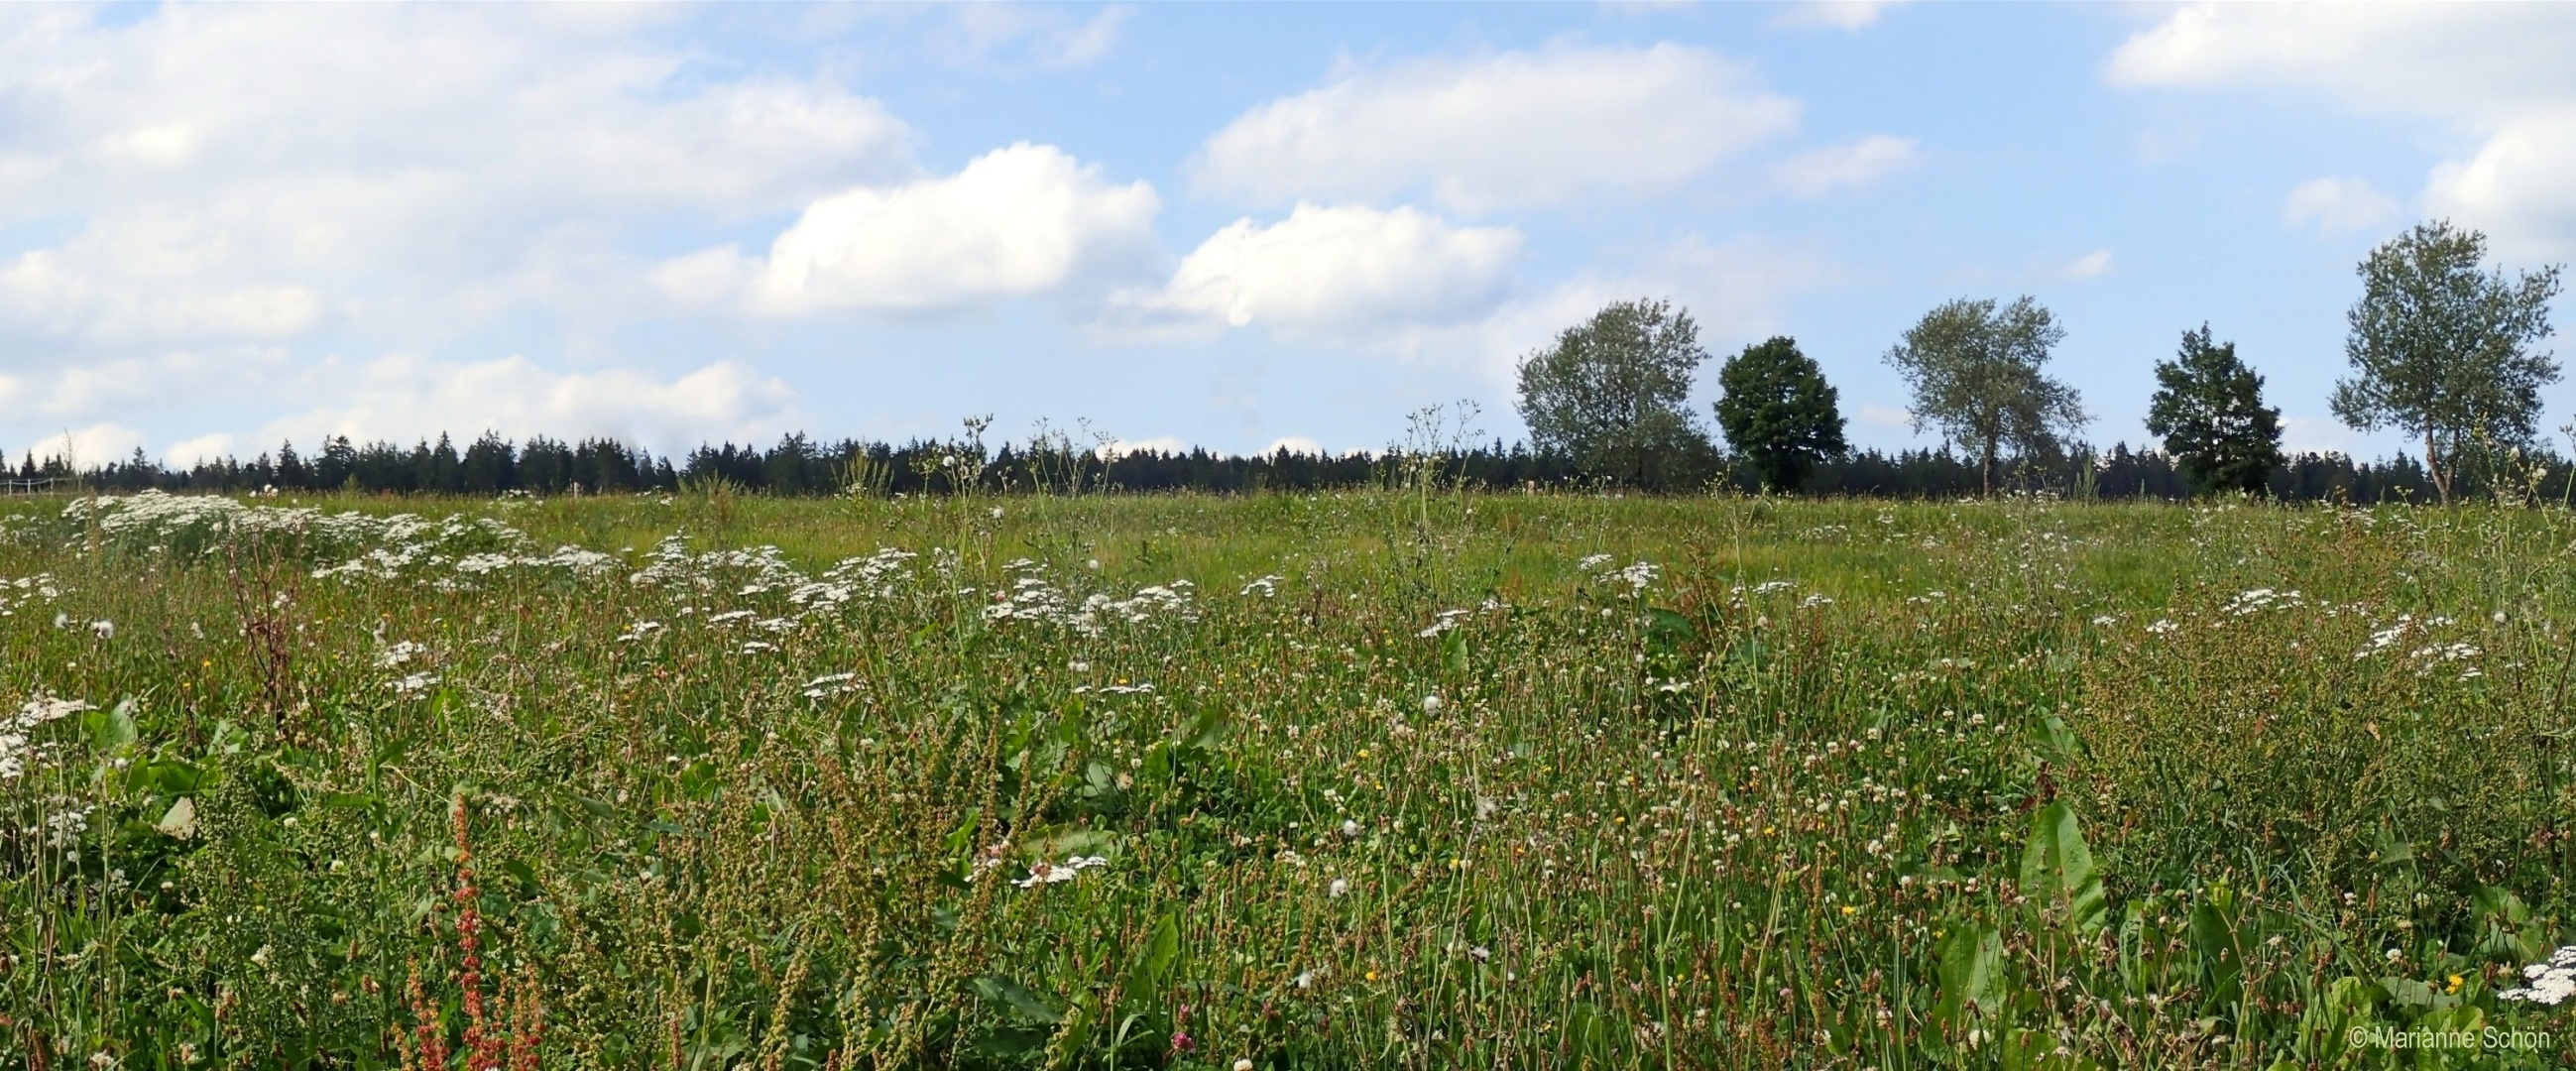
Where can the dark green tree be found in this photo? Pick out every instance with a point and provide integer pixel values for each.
(1610, 394)
(1779, 413)
(1975, 373)
(2442, 349)
(2208, 408)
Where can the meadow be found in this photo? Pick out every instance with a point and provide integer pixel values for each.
(1390, 779)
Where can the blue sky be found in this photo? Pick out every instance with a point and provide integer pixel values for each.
(1227, 225)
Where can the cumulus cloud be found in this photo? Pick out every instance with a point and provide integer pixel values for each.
(2093, 265)
(2335, 205)
(1016, 221)
(401, 397)
(250, 172)
(2497, 72)
(1518, 128)
(1345, 271)
(1834, 168)
(98, 444)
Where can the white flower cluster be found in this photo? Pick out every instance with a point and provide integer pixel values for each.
(2552, 981)
(1640, 575)
(753, 571)
(875, 576)
(27, 591)
(1033, 599)
(1045, 873)
(380, 547)
(16, 748)
(2254, 600)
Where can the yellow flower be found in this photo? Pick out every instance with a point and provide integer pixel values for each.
(1850, 910)
(1372, 976)
(2455, 983)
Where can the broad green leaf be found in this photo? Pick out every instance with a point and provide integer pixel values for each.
(1972, 974)
(1020, 1002)
(2056, 863)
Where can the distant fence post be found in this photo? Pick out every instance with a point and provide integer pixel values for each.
(29, 486)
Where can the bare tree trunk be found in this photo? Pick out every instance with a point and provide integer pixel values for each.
(2433, 465)
(1986, 471)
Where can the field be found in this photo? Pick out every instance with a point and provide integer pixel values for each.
(1400, 780)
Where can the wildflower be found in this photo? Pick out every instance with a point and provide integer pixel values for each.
(1243, 1065)
(1045, 873)
(260, 958)
(105, 629)
(1338, 888)
(2552, 981)
(1350, 829)
(1431, 704)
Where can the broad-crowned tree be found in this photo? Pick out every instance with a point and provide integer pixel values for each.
(1975, 372)
(2208, 408)
(1610, 394)
(1779, 413)
(2443, 350)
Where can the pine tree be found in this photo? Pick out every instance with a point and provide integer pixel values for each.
(2208, 408)
(1778, 411)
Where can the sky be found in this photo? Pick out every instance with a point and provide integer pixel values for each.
(1235, 226)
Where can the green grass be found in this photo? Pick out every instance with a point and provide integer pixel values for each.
(1836, 784)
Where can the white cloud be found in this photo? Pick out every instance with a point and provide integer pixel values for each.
(2334, 205)
(1295, 444)
(402, 398)
(1160, 444)
(1818, 172)
(258, 172)
(2497, 72)
(103, 443)
(1046, 35)
(1016, 221)
(1339, 271)
(1850, 16)
(2093, 265)
(186, 453)
(1519, 128)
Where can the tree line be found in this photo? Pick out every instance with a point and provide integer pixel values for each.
(797, 465)
(2441, 349)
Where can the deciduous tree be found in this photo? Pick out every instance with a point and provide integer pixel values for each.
(2442, 349)
(1610, 394)
(1975, 372)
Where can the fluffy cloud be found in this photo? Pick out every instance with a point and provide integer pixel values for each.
(1016, 221)
(2334, 205)
(1340, 271)
(2497, 72)
(404, 398)
(257, 172)
(1834, 168)
(98, 444)
(1519, 128)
